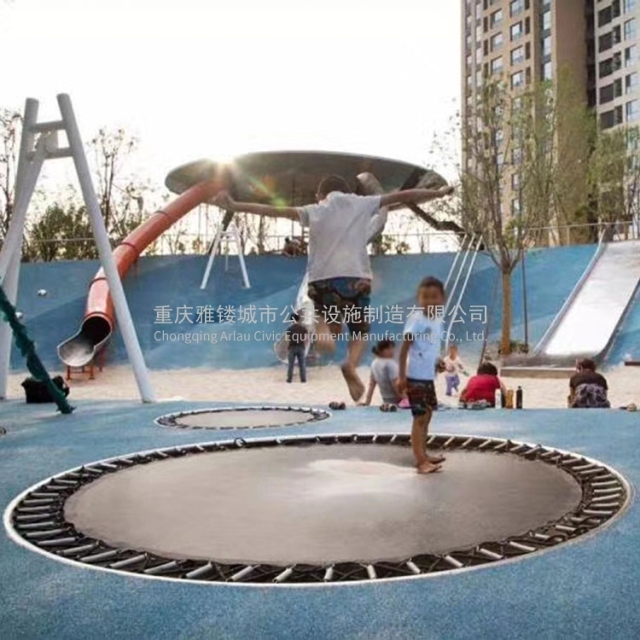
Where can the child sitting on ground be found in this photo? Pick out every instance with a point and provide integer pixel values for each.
(453, 367)
(384, 374)
(481, 388)
(418, 361)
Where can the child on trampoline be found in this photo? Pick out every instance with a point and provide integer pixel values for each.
(419, 357)
(338, 262)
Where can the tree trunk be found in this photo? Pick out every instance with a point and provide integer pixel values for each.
(505, 340)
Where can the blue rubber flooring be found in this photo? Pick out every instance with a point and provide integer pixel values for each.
(584, 590)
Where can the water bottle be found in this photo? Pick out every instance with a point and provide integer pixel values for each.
(519, 398)
(498, 399)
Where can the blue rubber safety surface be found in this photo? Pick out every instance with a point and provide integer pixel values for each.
(583, 590)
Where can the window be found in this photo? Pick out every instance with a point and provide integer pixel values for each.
(547, 71)
(546, 21)
(632, 110)
(515, 207)
(630, 31)
(629, 5)
(631, 82)
(517, 55)
(516, 7)
(515, 181)
(611, 92)
(546, 46)
(611, 118)
(516, 156)
(517, 80)
(516, 31)
(630, 55)
(496, 18)
(496, 41)
(496, 65)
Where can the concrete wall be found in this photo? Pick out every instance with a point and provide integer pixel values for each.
(174, 282)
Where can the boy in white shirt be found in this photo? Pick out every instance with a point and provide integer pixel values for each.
(339, 268)
(421, 347)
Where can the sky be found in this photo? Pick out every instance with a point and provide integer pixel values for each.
(216, 78)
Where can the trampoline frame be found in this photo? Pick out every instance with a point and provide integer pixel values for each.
(35, 519)
(171, 420)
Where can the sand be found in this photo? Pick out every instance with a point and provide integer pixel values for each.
(325, 384)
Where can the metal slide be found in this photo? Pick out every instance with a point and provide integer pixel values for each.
(99, 319)
(587, 323)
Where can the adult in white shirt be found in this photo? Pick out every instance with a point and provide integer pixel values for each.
(339, 267)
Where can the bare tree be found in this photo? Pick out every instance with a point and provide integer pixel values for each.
(121, 194)
(10, 128)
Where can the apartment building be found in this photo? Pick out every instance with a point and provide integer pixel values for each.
(614, 82)
(523, 42)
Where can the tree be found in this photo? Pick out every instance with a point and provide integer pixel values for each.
(62, 232)
(121, 194)
(615, 175)
(10, 128)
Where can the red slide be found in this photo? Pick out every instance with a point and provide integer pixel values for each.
(99, 318)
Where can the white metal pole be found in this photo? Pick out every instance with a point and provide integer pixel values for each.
(13, 240)
(212, 255)
(123, 315)
(10, 286)
(243, 266)
(12, 275)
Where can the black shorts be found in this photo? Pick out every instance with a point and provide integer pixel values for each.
(343, 300)
(422, 396)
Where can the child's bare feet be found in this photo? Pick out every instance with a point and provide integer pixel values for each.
(356, 388)
(435, 459)
(428, 467)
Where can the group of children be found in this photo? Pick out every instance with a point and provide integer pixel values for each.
(340, 277)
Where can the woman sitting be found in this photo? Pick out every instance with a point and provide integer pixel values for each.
(587, 388)
(481, 388)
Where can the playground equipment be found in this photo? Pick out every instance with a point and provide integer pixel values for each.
(302, 509)
(227, 236)
(28, 350)
(98, 323)
(40, 143)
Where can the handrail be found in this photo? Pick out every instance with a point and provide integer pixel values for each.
(455, 261)
(467, 253)
(463, 289)
(539, 348)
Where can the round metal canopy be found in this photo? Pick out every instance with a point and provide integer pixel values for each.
(292, 177)
(313, 509)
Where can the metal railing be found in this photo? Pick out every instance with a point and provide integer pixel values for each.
(190, 243)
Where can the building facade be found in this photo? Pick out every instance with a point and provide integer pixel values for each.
(614, 49)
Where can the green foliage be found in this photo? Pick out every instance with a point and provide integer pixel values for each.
(61, 233)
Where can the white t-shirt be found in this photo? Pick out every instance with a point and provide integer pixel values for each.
(385, 372)
(339, 229)
(425, 348)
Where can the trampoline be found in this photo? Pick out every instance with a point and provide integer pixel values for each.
(320, 509)
(258, 417)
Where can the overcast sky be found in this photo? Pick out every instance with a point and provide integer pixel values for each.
(214, 78)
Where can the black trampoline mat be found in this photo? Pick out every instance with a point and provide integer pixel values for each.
(319, 504)
(244, 418)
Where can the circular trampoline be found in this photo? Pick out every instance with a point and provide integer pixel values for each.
(221, 418)
(339, 508)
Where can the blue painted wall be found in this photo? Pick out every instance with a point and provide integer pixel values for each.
(174, 282)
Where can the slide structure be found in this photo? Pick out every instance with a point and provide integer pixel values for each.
(587, 323)
(99, 318)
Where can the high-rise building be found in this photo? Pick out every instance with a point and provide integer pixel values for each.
(523, 42)
(615, 51)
